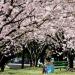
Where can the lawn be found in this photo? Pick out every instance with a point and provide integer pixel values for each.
(34, 71)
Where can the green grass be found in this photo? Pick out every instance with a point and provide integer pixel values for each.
(34, 71)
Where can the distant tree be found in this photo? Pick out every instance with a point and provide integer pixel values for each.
(56, 44)
(60, 46)
(34, 49)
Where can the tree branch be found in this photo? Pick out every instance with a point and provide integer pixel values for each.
(7, 23)
(13, 30)
(21, 34)
(18, 36)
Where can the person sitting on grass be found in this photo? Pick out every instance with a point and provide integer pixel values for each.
(48, 66)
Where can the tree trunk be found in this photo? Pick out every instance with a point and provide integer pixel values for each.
(2, 63)
(36, 61)
(2, 68)
(31, 61)
(31, 64)
(71, 62)
(22, 60)
(71, 58)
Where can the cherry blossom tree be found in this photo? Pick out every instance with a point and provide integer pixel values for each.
(16, 19)
(34, 19)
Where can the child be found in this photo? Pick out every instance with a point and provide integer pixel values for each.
(48, 66)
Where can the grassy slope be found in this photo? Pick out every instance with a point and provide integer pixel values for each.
(33, 71)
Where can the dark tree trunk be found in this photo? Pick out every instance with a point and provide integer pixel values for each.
(31, 64)
(43, 56)
(22, 60)
(71, 62)
(2, 63)
(71, 58)
(36, 62)
(2, 68)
